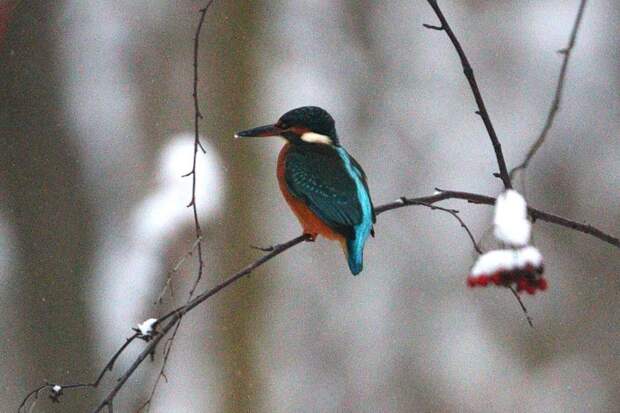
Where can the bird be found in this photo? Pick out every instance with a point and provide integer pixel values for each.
(325, 187)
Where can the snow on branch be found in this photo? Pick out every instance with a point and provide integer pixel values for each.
(511, 225)
(146, 329)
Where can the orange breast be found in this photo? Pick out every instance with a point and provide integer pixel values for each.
(311, 223)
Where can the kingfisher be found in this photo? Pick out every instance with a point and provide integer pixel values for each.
(324, 186)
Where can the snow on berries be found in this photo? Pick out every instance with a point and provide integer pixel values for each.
(519, 265)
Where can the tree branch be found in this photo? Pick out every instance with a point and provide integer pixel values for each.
(535, 214)
(452, 212)
(168, 283)
(198, 231)
(173, 317)
(469, 74)
(108, 367)
(523, 307)
(555, 104)
(171, 321)
(197, 144)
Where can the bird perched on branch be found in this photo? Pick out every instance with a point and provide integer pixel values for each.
(324, 186)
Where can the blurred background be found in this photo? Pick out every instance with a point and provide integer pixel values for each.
(96, 121)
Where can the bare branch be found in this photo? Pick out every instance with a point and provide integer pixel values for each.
(34, 393)
(455, 214)
(534, 213)
(523, 307)
(555, 104)
(432, 27)
(174, 317)
(162, 370)
(174, 270)
(469, 74)
(108, 367)
(197, 145)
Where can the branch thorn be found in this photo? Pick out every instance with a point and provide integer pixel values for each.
(202, 148)
(263, 249)
(432, 27)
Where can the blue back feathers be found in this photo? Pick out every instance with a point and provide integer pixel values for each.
(355, 246)
(332, 184)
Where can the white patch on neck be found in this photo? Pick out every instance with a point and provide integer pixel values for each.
(312, 137)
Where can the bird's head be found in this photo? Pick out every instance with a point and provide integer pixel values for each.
(304, 125)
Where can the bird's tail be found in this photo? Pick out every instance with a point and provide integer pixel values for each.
(354, 250)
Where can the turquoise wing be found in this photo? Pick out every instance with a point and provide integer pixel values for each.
(318, 176)
(358, 167)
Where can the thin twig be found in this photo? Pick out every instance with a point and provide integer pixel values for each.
(175, 269)
(197, 144)
(175, 316)
(108, 367)
(263, 249)
(455, 214)
(36, 399)
(555, 104)
(469, 74)
(527, 316)
(162, 371)
(197, 117)
(35, 393)
(535, 214)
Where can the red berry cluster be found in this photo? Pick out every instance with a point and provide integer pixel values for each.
(526, 279)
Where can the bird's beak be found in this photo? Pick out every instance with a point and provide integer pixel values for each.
(267, 130)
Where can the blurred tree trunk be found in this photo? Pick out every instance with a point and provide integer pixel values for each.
(227, 84)
(46, 204)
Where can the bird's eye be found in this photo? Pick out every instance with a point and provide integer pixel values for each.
(282, 125)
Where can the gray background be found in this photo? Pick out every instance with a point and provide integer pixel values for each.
(96, 122)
